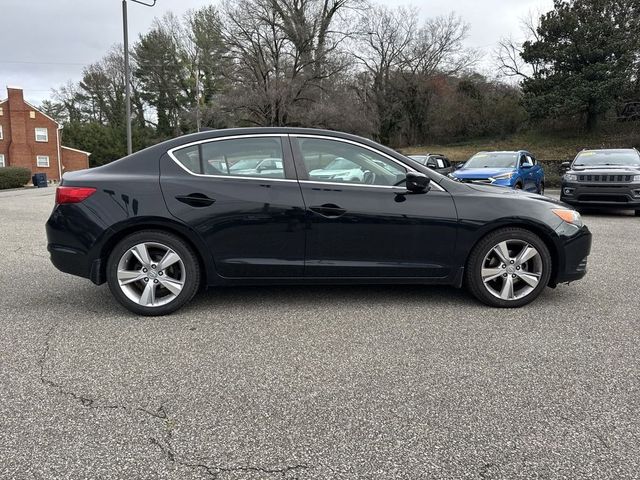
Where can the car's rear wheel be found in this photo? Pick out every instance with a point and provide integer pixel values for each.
(153, 273)
(508, 268)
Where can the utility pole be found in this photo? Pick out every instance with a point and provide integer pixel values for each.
(127, 69)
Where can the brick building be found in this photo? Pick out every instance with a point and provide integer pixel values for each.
(29, 138)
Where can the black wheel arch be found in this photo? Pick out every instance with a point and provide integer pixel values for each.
(542, 231)
(123, 229)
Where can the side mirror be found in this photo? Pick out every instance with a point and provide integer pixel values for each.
(459, 165)
(527, 165)
(432, 166)
(565, 165)
(418, 182)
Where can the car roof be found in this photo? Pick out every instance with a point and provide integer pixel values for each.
(609, 150)
(143, 159)
(504, 151)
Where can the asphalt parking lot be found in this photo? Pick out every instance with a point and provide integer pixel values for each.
(317, 382)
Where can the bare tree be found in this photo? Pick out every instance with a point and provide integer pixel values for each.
(508, 54)
(400, 54)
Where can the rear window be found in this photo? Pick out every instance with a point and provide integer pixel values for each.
(249, 157)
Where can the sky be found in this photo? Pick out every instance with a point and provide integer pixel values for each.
(46, 43)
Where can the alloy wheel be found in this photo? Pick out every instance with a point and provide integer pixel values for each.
(151, 274)
(512, 269)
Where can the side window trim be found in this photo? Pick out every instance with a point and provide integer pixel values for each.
(286, 157)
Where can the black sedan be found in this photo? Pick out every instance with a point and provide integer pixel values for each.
(603, 179)
(163, 223)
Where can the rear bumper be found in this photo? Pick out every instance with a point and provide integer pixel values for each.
(574, 252)
(603, 195)
(72, 242)
(75, 262)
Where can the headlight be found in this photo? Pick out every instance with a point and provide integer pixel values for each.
(570, 177)
(503, 176)
(636, 179)
(569, 216)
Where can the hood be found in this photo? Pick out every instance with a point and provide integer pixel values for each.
(508, 192)
(480, 173)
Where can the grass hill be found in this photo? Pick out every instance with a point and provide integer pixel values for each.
(549, 148)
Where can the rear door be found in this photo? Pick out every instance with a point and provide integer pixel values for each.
(365, 226)
(251, 218)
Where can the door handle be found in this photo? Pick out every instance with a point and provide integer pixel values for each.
(196, 200)
(329, 210)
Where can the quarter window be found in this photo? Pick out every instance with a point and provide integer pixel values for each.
(242, 157)
(340, 162)
(42, 135)
(42, 161)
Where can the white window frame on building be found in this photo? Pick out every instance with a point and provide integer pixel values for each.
(1, 133)
(42, 135)
(44, 158)
(2, 161)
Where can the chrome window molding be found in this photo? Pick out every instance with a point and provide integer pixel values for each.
(232, 177)
(171, 151)
(399, 189)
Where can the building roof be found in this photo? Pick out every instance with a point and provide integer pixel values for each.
(75, 150)
(32, 106)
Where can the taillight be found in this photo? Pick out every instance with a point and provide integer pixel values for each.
(73, 194)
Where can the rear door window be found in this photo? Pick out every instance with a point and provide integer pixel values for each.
(260, 157)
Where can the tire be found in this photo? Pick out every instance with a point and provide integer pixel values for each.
(637, 213)
(131, 270)
(518, 186)
(521, 276)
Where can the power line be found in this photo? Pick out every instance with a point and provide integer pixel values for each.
(22, 62)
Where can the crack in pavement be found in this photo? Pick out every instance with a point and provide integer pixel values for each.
(159, 414)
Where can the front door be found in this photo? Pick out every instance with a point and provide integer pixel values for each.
(242, 197)
(359, 224)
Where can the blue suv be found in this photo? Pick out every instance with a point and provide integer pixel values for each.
(518, 170)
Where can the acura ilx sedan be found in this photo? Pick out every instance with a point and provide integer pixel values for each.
(162, 223)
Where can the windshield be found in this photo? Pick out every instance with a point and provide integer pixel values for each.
(606, 158)
(492, 160)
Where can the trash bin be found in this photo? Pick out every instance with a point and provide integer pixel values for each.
(39, 180)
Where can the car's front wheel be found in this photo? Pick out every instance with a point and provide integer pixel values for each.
(508, 268)
(153, 273)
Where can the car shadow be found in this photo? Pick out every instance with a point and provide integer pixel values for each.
(605, 212)
(345, 294)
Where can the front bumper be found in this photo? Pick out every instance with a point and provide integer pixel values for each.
(601, 195)
(574, 249)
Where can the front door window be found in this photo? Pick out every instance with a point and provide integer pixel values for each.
(340, 162)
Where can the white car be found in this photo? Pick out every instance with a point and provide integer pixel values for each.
(339, 169)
